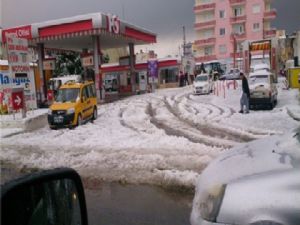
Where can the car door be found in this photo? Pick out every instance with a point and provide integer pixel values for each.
(85, 102)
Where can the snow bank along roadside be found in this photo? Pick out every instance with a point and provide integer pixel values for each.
(34, 120)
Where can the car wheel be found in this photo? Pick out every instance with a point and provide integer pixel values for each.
(95, 114)
(79, 120)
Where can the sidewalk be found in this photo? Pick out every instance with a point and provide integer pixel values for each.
(10, 125)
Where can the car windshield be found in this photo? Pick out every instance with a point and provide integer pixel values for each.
(201, 78)
(259, 79)
(67, 95)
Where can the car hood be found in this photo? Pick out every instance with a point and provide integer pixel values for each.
(62, 106)
(278, 152)
(275, 153)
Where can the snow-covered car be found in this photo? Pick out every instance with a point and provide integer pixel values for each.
(254, 183)
(203, 84)
(260, 66)
(232, 74)
(263, 90)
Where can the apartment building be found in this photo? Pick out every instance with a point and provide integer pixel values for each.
(222, 25)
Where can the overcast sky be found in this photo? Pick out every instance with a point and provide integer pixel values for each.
(164, 17)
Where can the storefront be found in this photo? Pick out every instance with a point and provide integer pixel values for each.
(168, 76)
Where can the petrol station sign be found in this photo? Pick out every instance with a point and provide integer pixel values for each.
(17, 52)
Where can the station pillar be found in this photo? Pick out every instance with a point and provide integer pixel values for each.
(97, 64)
(42, 90)
(132, 68)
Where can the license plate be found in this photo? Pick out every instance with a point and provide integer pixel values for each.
(58, 119)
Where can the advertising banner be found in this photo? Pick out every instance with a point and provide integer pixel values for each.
(153, 68)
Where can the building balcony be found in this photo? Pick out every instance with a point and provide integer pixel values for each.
(237, 2)
(202, 25)
(205, 42)
(270, 33)
(205, 58)
(238, 19)
(204, 7)
(270, 15)
(239, 37)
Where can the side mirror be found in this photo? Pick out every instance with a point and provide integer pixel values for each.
(48, 197)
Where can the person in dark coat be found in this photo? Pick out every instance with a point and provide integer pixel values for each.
(202, 68)
(181, 79)
(245, 95)
(186, 79)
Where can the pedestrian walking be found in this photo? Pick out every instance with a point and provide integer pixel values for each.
(186, 79)
(181, 79)
(245, 95)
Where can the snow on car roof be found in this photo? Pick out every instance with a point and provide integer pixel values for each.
(202, 74)
(261, 65)
(260, 73)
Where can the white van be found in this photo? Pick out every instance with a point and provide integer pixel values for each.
(55, 83)
(263, 90)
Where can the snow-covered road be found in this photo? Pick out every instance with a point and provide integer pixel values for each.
(166, 138)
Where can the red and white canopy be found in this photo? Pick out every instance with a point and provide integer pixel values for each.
(75, 33)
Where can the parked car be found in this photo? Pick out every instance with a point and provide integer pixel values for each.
(74, 104)
(203, 84)
(232, 74)
(263, 90)
(257, 183)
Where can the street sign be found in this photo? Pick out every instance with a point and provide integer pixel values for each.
(17, 98)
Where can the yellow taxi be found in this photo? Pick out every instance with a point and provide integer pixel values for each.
(74, 104)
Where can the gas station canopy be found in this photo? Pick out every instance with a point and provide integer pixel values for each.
(75, 33)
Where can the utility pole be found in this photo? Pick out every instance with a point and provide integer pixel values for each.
(184, 41)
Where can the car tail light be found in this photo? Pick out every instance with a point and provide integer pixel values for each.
(270, 94)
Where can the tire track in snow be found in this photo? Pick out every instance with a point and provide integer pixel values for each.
(222, 110)
(206, 128)
(124, 124)
(188, 132)
(251, 131)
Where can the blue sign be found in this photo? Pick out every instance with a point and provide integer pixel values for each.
(5, 80)
(153, 68)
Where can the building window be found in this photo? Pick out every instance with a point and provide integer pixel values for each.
(222, 13)
(208, 33)
(222, 31)
(256, 27)
(239, 47)
(169, 75)
(238, 11)
(208, 51)
(222, 49)
(256, 8)
(238, 29)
